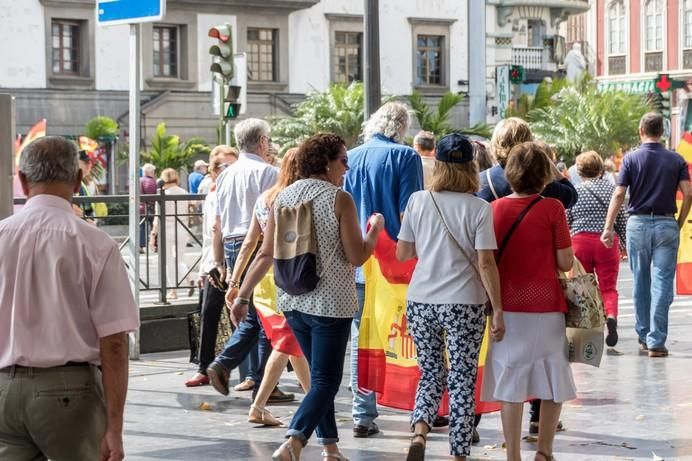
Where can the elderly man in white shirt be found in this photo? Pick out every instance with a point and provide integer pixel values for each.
(237, 190)
(65, 310)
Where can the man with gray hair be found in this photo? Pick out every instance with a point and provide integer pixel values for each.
(382, 175)
(65, 311)
(237, 190)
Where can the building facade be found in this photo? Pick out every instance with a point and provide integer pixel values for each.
(62, 66)
(629, 43)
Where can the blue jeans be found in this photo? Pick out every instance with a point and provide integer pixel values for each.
(323, 341)
(652, 247)
(364, 404)
(249, 339)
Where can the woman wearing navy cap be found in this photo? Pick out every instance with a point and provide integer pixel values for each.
(454, 276)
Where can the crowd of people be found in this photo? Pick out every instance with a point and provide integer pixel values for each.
(490, 225)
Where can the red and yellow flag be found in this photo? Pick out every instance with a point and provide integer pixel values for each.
(684, 272)
(36, 131)
(387, 361)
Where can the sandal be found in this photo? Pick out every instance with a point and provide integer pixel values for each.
(416, 451)
(547, 457)
(246, 385)
(337, 456)
(287, 448)
(263, 419)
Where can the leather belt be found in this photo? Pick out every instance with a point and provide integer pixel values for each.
(22, 367)
(652, 213)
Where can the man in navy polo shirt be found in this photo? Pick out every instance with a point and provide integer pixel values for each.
(382, 175)
(653, 175)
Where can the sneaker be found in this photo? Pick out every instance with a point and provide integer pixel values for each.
(365, 431)
(612, 337)
(658, 352)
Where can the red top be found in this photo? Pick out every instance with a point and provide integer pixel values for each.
(528, 268)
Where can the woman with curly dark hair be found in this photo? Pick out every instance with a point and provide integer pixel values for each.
(320, 318)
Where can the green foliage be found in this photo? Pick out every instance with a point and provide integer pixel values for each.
(167, 152)
(543, 98)
(582, 118)
(101, 127)
(435, 121)
(337, 110)
(196, 147)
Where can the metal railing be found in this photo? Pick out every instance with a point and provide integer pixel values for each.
(153, 274)
(530, 57)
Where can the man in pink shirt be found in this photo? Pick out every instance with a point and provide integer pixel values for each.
(65, 310)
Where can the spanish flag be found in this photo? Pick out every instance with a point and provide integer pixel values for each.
(386, 354)
(36, 131)
(684, 272)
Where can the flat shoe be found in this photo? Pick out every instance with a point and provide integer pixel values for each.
(612, 337)
(246, 385)
(337, 456)
(285, 447)
(263, 419)
(197, 380)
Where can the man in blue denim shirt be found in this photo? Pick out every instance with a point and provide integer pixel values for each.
(653, 176)
(382, 175)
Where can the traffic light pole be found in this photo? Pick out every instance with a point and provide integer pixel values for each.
(476, 53)
(133, 169)
(373, 90)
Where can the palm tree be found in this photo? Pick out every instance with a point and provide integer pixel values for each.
(437, 120)
(167, 152)
(582, 118)
(339, 110)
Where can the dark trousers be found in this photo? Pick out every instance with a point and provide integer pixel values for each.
(212, 303)
(249, 336)
(145, 225)
(323, 341)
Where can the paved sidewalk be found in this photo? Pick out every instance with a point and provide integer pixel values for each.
(632, 408)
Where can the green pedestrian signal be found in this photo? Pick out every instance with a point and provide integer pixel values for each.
(231, 101)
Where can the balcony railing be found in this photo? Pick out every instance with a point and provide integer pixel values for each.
(617, 65)
(528, 56)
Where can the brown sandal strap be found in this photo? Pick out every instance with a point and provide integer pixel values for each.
(421, 435)
(547, 457)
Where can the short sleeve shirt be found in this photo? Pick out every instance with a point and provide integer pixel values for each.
(443, 274)
(382, 176)
(528, 268)
(652, 174)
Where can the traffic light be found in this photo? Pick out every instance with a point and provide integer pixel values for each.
(222, 52)
(232, 102)
(665, 104)
(516, 74)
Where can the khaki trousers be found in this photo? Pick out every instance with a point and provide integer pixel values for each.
(51, 413)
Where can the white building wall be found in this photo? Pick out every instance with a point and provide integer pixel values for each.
(112, 54)
(310, 42)
(22, 54)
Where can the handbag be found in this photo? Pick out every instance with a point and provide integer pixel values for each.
(224, 331)
(584, 301)
(585, 345)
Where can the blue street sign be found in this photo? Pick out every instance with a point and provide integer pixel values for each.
(110, 12)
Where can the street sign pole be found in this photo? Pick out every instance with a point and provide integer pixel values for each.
(133, 247)
(134, 13)
(7, 135)
(476, 53)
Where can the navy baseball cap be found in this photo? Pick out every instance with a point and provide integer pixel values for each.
(454, 148)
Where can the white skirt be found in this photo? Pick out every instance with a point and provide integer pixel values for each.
(530, 361)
